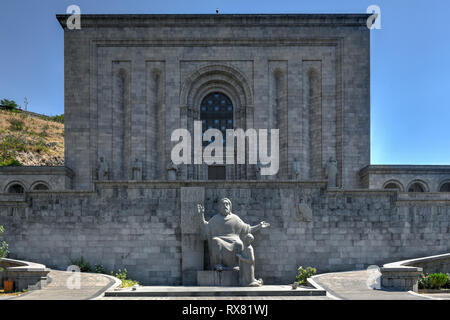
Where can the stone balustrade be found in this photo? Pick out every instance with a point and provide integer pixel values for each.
(26, 275)
(405, 275)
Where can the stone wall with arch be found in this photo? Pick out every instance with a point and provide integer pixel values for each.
(417, 185)
(54, 178)
(394, 184)
(431, 178)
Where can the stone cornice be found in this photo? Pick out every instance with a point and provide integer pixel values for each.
(405, 169)
(32, 170)
(210, 183)
(208, 20)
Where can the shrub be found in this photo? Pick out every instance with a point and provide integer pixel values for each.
(122, 275)
(424, 282)
(16, 124)
(100, 269)
(84, 266)
(58, 118)
(304, 274)
(3, 245)
(434, 281)
(9, 162)
(437, 280)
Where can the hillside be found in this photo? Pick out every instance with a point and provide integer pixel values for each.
(30, 140)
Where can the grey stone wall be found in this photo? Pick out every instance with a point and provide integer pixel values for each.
(138, 226)
(136, 229)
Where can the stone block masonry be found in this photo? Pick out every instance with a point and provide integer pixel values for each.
(138, 226)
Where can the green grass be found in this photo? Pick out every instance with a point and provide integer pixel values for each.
(12, 143)
(16, 124)
(40, 146)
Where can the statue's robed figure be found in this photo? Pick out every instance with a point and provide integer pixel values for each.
(224, 232)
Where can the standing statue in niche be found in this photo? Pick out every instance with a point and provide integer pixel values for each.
(296, 169)
(172, 171)
(259, 175)
(224, 232)
(137, 169)
(247, 264)
(103, 169)
(331, 172)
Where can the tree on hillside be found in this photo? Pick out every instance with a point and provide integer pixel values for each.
(58, 118)
(8, 103)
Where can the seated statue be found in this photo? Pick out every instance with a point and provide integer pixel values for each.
(224, 232)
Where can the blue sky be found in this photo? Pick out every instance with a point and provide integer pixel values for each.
(410, 62)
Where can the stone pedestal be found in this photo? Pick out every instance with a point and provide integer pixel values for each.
(218, 279)
(192, 251)
(401, 278)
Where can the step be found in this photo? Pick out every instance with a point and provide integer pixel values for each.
(185, 291)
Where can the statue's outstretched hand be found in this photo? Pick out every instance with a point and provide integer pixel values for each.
(265, 224)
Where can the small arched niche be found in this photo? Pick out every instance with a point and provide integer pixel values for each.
(16, 188)
(393, 185)
(417, 186)
(40, 186)
(445, 187)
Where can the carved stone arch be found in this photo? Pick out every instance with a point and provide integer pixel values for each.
(219, 72)
(14, 183)
(444, 186)
(390, 183)
(418, 182)
(232, 89)
(37, 185)
(220, 87)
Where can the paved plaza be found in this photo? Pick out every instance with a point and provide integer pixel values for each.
(339, 286)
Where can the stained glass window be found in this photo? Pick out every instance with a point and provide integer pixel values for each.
(216, 112)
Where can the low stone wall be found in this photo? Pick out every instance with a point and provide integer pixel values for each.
(146, 227)
(433, 264)
(26, 275)
(55, 178)
(405, 275)
(431, 176)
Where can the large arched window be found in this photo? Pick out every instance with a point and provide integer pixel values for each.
(216, 112)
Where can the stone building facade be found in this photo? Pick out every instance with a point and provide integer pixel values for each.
(131, 80)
